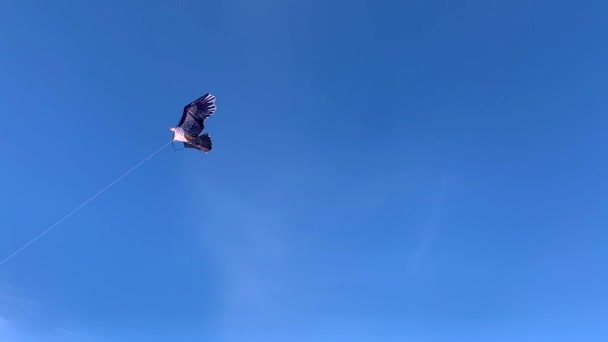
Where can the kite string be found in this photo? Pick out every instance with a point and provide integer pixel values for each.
(83, 204)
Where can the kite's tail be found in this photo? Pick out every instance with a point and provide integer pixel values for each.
(203, 142)
(206, 142)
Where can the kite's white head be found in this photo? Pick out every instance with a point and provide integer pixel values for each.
(178, 134)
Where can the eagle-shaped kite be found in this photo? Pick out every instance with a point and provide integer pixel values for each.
(192, 123)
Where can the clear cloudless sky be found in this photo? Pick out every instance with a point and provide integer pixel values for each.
(382, 171)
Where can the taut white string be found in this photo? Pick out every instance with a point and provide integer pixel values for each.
(83, 204)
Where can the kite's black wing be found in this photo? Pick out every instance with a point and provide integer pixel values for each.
(195, 114)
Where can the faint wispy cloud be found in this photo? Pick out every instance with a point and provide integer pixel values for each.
(250, 244)
(14, 306)
(4, 323)
(64, 331)
(7, 333)
(22, 319)
(429, 231)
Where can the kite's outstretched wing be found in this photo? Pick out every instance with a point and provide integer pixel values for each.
(195, 114)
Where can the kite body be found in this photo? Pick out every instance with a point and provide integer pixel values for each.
(192, 123)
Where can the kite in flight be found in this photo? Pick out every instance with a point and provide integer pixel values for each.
(188, 131)
(192, 123)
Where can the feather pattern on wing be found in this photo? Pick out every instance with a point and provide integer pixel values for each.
(195, 114)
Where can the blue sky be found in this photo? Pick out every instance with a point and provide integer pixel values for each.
(382, 171)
